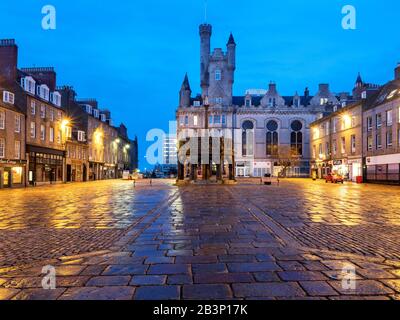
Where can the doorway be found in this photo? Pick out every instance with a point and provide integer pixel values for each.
(6, 178)
(69, 173)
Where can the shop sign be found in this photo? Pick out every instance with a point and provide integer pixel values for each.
(337, 162)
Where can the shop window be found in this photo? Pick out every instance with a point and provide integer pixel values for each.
(17, 175)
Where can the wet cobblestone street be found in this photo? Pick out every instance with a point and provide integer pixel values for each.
(108, 240)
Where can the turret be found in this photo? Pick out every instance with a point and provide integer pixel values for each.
(231, 50)
(205, 31)
(185, 93)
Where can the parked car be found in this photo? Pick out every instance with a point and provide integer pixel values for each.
(334, 178)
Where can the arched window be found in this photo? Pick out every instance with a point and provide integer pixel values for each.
(296, 138)
(247, 138)
(272, 138)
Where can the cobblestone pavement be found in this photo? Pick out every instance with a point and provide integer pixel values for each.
(108, 240)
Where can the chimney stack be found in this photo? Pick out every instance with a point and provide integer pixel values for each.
(45, 75)
(8, 61)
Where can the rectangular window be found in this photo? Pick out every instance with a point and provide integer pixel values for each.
(17, 149)
(389, 139)
(33, 130)
(378, 120)
(217, 119)
(389, 118)
(59, 115)
(210, 119)
(42, 111)
(33, 107)
(378, 141)
(369, 123)
(42, 132)
(370, 143)
(217, 75)
(327, 149)
(51, 112)
(51, 134)
(186, 120)
(248, 103)
(81, 136)
(2, 119)
(59, 137)
(195, 120)
(353, 121)
(353, 144)
(327, 127)
(17, 123)
(8, 97)
(2, 148)
(223, 119)
(334, 147)
(320, 150)
(343, 145)
(334, 125)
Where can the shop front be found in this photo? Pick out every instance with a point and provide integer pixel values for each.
(12, 173)
(320, 169)
(383, 169)
(109, 171)
(243, 169)
(355, 169)
(95, 171)
(76, 171)
(45, 165)
(341, 167)
(261, 168)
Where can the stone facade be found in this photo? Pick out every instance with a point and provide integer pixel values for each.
(381, 134)
(336, 143)
(12, 144)
(270, 131)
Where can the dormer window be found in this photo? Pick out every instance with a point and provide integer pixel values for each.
(218, 75)
(196, 103)
(296, 102)
(323, 101)
(218, 100)
(248, 103)
(8, 97)
(88, 109)
(55, 98)
(96, 113)
(43, 92)
(28, 84)
(364, 95)
(103, 117)
(81, 136)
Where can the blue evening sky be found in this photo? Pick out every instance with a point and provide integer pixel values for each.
(132, 55)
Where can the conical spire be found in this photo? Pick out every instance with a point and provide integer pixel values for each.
(231, 39)
(186, 84)
(359, 79)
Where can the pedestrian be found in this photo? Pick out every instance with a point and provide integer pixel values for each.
(134, 183)
(151, 182)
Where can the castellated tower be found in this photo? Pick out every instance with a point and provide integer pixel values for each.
(205, 48)
(217, 69)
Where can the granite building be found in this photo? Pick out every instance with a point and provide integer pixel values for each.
(268, 133)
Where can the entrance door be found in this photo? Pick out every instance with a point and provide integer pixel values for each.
(69, 173)
(6, 178)
(84, 173)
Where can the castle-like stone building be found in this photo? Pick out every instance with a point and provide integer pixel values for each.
(270, 132)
